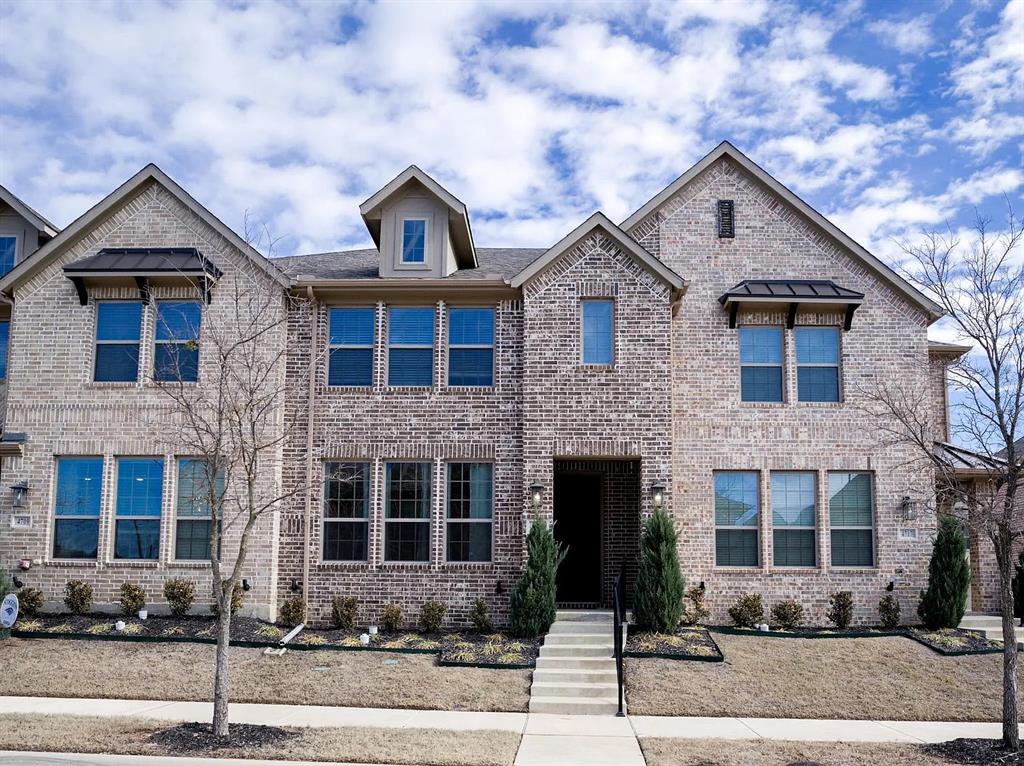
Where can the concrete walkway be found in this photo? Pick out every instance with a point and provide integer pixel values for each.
(548, 739)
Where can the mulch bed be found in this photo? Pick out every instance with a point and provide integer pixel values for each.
(975, 751)
(191, 628)
(804, 631)
(493, 650)
(955, 642)
(197, 738)
(693, 643)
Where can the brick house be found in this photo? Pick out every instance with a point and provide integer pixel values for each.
(706, 354)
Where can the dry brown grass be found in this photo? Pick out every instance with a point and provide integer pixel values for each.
(722, 752)
(130, 736)
(58, 668)
(864, 678)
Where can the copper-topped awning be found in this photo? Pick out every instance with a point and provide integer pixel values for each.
(791, 293)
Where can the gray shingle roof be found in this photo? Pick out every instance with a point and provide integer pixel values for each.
(495, 263)
(143, 260)
(791, 288)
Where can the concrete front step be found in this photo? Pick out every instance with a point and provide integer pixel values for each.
(579, 639)
(574, 705)
(991, 625)
(583, 615)
(576, 651)
(577, 689)
(572, 676)
(574, 663)
(580, 627)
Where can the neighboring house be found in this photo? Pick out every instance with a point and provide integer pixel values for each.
(707, 353)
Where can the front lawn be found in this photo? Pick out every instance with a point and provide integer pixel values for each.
(722, 752)
(135, 736)
(859, 678)
(70, 668)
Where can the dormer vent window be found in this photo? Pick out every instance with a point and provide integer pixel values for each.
(726, 219)
(414, 240)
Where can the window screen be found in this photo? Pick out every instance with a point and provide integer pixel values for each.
(176, 347)
(76, 507)
(598, 323)
(410, 346)
(761, 364)
(471, 347)
(817, 364)
(140, 484)
(851, 519)
(794, 518)
(737, 510)
(351, 347)
(118, 328)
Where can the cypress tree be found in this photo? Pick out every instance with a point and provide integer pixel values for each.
(658, 604)
(533, 598)
(1018, 588)
(949, 576)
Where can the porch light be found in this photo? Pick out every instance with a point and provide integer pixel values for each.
(536, 495)
(658, 494)
(908, 508)
(19, 492)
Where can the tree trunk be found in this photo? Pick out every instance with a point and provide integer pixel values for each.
(1011, 729)
(221, 684)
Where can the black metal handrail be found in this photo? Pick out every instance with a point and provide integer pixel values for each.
(618, 619)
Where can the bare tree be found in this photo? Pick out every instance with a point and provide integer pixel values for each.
(979, 282)
(232, 420)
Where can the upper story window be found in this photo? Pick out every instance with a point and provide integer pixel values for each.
(817, 364)
(118, 329)
(851, 519)
(470, 511)
(176, 354)
(598, 331)
(76, 507)
(414, 240)
(794, 518)
(351, 347)
(410, 346)
(194, 510)
(407, 512)
(140, 489)
(346, 511)
(8, 253)
(5, 337)
(737, 512)
(761, 364)
(471, 347)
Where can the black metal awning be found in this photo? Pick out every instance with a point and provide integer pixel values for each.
(141, 264)
(791, 293)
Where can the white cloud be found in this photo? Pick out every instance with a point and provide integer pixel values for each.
(912, 36)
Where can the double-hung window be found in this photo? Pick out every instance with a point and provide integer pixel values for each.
(407, 512)
(761, 364)
(346, 511)
(5, 339)
(414, 240)
(410, 346)
(737, 512)
(176, 353)
(76, 508)
(598, 331)
(351, 347)
(470, 511)
(8, 253)
(118, 329)
(794, 518)
(471, 347)
(140, 486)
(194, 508)
(851, 519)
(817, 364)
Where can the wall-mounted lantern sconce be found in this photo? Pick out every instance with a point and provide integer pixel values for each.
(890, 586)
(536, 495)
(246, 585)
(908, 508)
(658, 495)
(19, 493)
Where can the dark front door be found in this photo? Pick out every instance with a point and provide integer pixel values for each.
(578, 528)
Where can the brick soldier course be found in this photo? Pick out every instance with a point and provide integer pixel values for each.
(666, 410)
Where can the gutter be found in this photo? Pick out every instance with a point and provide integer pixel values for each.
(313, 338)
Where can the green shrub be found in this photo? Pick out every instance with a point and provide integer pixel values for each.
(431, 616)
(30, 601)
(480, 616)
(237, 597)
(344, 612)
(658, 601)
(6, 583)
(840, 609)
(532, 604)
(748, 611)
(694, 609)
(949, 577)
(889, 611)
(133, 598)
(1018, 588)
(180, 594)
(391, 618)
(293, 611)
(78, 596)
(787, 614)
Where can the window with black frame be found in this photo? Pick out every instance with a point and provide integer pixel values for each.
(194, 508)
(470, 511)
(407, 512)
(346, 511)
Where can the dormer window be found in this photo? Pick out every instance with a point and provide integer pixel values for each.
(414, 240)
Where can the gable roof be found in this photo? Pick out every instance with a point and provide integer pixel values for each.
(26, 212)
(726, 149)
(496, 263)
(600, 221)
(45, 254)
(458, 214)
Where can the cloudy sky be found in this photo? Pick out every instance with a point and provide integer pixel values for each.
(885, 116)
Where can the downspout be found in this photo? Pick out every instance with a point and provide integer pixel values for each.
(313, 338)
